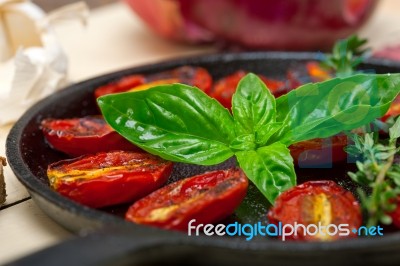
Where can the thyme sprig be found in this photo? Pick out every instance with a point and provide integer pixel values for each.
(377, 170)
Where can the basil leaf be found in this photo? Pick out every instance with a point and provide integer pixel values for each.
(270, 168)
(265, 132)
(253, 105)
(243, 143)
(176, 122)
(324, 109)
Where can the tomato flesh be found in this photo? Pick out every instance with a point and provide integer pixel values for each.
(394, 109)
(315, 202)
(108, 178)
(316, 152)
(208, 198)
(224, 88)
(395, 215)
(80, 136)
(124, 84)
(193, 76)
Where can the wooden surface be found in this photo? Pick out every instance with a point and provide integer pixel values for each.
(116, 39)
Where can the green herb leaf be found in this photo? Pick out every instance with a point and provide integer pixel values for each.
(394, 131)
(324, 109)
(346, 55)
(395, 176)
(253, 105)
(176, 122)
(385, 219)
(270, 168)
(379, 171)
(182, 124)
(265, 132)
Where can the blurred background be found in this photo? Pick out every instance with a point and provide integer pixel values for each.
(48, 5)
(251, 25)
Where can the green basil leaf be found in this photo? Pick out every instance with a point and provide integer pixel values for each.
(270, 168)
(253, 105)
(176, 122)
(243, 143)
(324, 109)
(264, 133)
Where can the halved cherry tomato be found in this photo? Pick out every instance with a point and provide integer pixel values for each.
(122, 85)
(79, 136)
(224, 88)
(395, 215)
(207, 198)
(319, 151)
(194, 76)
(318, 203)
(394, 109)
(108, 178)
(298, 75)
(316, 72)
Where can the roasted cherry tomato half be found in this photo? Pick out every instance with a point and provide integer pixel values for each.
(395, 215)
(224, 88)
(321, 203)
(394, 109)
(108, 178)
(317, 152)
(122, 85)
(317, 73)
(193, 76)
(298, 75)
(207, 198)
(79, 136)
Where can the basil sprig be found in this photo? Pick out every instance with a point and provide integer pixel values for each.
(181, 123)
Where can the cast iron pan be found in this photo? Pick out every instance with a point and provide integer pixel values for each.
(118, 242)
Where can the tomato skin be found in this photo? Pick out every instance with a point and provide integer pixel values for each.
(394, 109)
(208, 198)
(307, 203)
(224, 88)
(80, 136)
(193, 76)
(316, 72)
(312, 71)
(124, 84)
(319, 151)
(111, 178)
(395, 215)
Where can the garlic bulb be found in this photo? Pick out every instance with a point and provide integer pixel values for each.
(32, 62)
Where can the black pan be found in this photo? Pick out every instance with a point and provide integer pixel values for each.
(118, 242)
